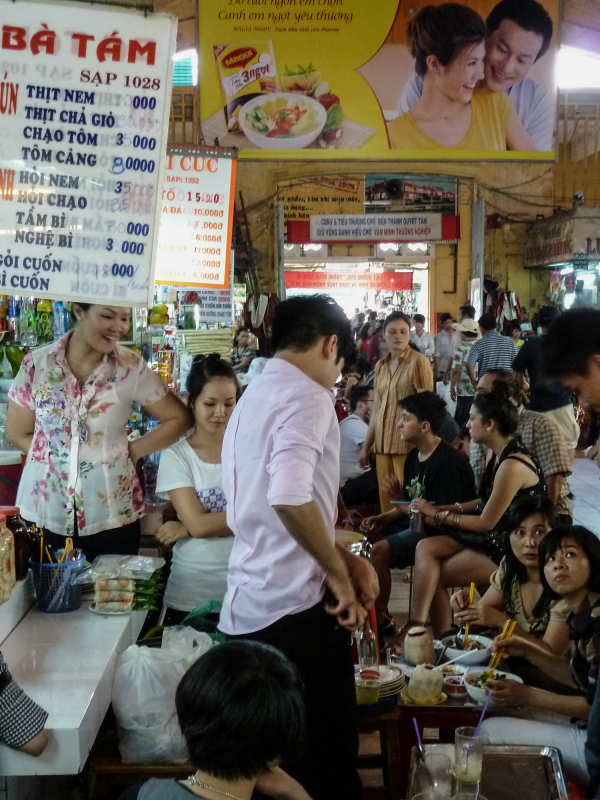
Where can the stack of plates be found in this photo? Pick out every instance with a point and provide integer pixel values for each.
(392, 681)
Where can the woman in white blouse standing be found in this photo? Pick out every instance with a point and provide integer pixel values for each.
(422, 338)
(190, 475)
(68, 411)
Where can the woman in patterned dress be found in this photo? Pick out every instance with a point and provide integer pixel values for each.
(403, 371)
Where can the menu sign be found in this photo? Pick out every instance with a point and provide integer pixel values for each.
(84, 108)
(197, 216)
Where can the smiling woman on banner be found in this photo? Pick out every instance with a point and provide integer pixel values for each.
(68, 411)
(448, 44)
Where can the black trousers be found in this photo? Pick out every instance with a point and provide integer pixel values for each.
(463, 409)
(123, 541)
(321, 651)
(362, 490)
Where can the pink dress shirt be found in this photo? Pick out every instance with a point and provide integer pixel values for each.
(281, 447)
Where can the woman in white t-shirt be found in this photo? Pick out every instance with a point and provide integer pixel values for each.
(189, 474)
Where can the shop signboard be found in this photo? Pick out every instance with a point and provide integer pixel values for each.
(197, 216)
(84, 102)
(215, 306)
(321, 194)
(337, 280)
(401, 227)
(335, 79)
(398, 192)
(549, 242)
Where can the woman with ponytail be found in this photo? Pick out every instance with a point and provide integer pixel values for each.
(472, 542)
(189, 475)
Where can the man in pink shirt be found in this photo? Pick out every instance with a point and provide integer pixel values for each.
(289, 585)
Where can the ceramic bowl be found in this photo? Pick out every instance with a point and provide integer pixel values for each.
(295, 143)
(480, 695)
(474, 657)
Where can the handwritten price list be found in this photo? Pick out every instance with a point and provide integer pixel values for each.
(197, 212)
(84, 106)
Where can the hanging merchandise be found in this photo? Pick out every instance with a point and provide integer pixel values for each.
(258, 316)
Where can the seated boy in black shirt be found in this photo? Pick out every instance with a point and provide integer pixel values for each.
(433, 470)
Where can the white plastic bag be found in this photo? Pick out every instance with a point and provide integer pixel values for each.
(443, 390)
(189, 643)
(143, 700)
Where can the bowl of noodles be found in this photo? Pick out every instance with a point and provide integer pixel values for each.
(282, 121)
(479, 649)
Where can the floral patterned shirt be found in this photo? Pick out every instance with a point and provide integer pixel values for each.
(79, 457)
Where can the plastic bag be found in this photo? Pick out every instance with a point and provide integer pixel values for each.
(143, 700)
(443, 390)
(118, 567)
(205, 617)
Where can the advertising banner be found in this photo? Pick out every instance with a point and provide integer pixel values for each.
(350, 79)
(332, 281)
(375, 227)
(197, 215)
(571, 236)
(411, 193)
(84, 104)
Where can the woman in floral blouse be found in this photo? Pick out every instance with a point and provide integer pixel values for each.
(68, 411)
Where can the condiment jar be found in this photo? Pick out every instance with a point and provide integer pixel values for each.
(7, 561)
(17, 527)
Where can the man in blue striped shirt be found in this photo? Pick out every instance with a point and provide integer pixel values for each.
(493, 351)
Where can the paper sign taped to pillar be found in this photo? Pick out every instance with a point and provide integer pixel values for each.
(194, 243)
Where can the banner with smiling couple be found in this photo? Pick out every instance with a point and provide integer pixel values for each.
(379, 79)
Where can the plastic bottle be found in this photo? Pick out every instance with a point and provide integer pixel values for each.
(17, 527)
(28, 322)
(60, 320)
(13, 318)
(7, 561)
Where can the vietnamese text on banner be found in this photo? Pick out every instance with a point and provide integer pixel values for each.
(84, 104)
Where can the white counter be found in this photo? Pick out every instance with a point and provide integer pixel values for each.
(66, 663)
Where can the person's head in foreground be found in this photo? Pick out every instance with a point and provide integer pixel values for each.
(528, 520)
(571, 354)
(448, 45)
(569, 562)
(494, 415)
(396, 331)
(241, 713)
(314, 334)
(99, 327)
(422, 414)
(211, 393)
(520, 33)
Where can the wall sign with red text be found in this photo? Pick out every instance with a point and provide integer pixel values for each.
(84, 107)
(197, 214)
(332, 281)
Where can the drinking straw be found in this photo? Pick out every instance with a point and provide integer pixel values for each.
(453, 660)
(419, 742)
(489, 697)
(42, 547)
(471, 595)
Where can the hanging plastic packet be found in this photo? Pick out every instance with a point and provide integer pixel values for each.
(60, 320)
(245, 72)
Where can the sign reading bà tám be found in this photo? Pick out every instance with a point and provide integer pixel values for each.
(84, 103)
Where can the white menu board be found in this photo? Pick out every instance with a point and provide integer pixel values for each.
(197, 216)
(85, 96)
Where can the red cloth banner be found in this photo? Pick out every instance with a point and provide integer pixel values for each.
(332, 281)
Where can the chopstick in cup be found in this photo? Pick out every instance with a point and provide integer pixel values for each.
(471, 595)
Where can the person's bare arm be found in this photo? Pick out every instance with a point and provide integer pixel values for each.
(20, 424)
(244, 364)
(363, 576)
(193, 520)
(305, 524)
(471, 374)
(555, 484)
(517, 137)
(174, 418)
(554, 665)
(36, 746)
(512, 693)
(365, 452)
